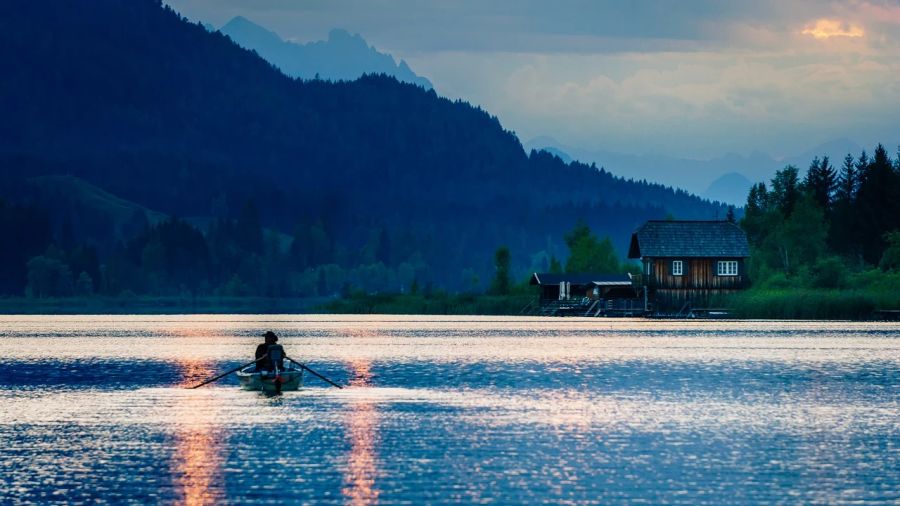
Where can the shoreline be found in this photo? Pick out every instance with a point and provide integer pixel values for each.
(415, 305)
(158, 305)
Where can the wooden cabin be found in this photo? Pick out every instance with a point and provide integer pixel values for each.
(586, 294)
(686, 265)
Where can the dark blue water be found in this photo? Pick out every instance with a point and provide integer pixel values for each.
(94, 409)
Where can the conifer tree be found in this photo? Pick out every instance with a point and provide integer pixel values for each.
(820, 183)
(848, 181)
(843, 236)
(878, 206)
(785, 189)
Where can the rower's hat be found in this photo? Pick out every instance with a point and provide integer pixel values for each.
(270, 334)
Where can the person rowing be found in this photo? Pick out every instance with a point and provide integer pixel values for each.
(269, 354)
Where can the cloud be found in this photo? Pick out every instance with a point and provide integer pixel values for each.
(697, 104)
(828, 28)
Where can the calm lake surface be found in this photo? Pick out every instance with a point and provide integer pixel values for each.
(468, 410)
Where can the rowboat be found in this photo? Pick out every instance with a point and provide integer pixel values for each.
(270, 381)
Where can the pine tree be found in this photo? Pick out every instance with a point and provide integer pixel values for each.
(785, 190)
(820, 183)
(848, 181)
(862, 165)
(877, 204)
(843, 236)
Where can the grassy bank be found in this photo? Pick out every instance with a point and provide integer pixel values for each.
(158, 305)
(438, 303)
(855, 297)
(811, 304)
(446, 304)
(802, 304)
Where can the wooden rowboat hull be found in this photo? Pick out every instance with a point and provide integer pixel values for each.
(264, 381)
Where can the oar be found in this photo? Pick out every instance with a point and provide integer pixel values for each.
(227, 373)
(314, 372)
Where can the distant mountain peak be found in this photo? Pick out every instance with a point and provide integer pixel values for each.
(730, 188)
(245, 25)
(238, 20)
(342, 56)
(340, 35)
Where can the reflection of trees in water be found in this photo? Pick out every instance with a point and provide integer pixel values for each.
(197, 459)
(362, 420)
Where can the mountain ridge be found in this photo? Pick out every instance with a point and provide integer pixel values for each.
(699, 176)
(342, 56)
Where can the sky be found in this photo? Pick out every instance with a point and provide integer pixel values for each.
(693, 78)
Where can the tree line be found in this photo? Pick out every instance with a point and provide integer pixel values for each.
(819, 228)
(229, 257)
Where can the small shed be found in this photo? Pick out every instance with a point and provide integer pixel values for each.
(578, 286)
(586, 294)
(687, 264)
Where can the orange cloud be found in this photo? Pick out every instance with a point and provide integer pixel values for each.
(827, 28)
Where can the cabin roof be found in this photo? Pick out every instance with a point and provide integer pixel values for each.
(549, 278)
(704, 239)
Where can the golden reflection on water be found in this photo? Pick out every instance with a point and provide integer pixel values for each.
(197, 459)
(362, 421)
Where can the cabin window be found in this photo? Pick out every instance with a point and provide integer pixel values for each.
(677, 268)
(727, 268)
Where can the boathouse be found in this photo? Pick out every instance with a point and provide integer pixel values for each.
(686, 265)
(586, 294)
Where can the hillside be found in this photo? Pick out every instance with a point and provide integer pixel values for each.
(158, 111)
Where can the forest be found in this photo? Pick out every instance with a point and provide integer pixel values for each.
(149, 156)
(827, 243)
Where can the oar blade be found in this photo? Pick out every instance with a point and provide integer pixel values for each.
(332, 383)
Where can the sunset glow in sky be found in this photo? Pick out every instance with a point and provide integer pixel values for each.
(827, 28)
(695, 79)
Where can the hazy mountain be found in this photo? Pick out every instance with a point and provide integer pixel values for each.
(731, 188)
(836, 150)
(692, 175)
(714, 178)
(342, 57)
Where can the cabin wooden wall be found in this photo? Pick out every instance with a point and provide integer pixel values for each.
(699, 284)
(699, 273)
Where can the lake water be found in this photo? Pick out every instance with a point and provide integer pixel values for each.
(467, 410)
